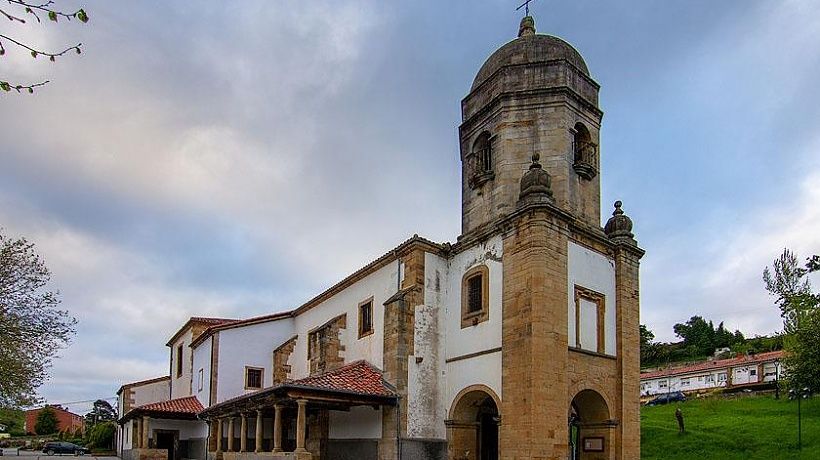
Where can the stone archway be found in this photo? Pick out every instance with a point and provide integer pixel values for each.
(473, 426)
(590, 427)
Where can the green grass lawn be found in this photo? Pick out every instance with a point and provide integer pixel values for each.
(728, 429)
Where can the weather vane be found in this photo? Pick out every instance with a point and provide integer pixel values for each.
(526, 6)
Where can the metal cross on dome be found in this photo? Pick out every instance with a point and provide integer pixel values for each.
(526, 6)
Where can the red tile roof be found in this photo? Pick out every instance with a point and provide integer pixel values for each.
(186, 405)
(357, 377)
(711, 365)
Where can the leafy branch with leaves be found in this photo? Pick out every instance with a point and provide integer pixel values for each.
(18, 12)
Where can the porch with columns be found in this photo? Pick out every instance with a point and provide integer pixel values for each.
(288, 421)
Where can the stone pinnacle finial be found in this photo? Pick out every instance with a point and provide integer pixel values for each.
(535, 163)
(619, 225)
(527, 26)
(618, 211)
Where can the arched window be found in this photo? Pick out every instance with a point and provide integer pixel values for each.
(481, 160)
(585, 159)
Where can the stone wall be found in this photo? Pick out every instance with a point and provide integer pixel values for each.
(534, 408)
(281, 368)
(325, 346)
(145, 454)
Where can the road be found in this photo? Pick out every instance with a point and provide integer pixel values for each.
(32, 455)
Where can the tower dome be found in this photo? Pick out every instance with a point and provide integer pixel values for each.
(530, 48)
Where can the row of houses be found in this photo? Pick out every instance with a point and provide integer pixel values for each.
(741, 371)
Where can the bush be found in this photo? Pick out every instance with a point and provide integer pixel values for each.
(102, 435)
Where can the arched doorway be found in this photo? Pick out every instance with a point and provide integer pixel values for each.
(589, 427)
(472, 430)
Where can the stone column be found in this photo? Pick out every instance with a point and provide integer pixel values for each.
(230, 434)
(136, 434)
(259, 431)
(301, 425)
(243, 433)
(144, 441)
(219, 436)
(277, 428)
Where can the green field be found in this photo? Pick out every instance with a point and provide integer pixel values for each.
(731, 429)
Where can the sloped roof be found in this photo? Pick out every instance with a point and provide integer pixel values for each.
(185, 408)
(186, 405)
(210, 322)
(713, 365)
(388, 257)
(358, 381)
(358, 377)
(144, 382)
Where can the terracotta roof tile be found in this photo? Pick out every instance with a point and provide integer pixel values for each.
(186, 405)
(711, 365)
(358, 377)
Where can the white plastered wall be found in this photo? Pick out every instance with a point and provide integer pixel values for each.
(483, 339)
(251, 345)
(380, 285)
(594, 271)
(181, 385)
(151, 393)
(358, 423)
(202, 360)
(188, 429)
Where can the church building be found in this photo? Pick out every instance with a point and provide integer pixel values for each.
(518, 341)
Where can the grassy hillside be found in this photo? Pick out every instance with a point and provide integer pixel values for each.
(731, 429)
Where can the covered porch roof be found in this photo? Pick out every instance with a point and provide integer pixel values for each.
(185, 408)
(355, 384)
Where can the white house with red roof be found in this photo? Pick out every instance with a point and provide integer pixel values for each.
(443, 350)
(742, 372)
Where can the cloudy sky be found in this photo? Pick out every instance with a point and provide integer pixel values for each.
(236, 161)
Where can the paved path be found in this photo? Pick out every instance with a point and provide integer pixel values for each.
(10, 454)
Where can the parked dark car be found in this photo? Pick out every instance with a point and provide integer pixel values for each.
(666, 398)
(62, 447)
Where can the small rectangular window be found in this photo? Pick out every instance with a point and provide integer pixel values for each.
(200, 379)
(721, 377)
(753, 372)
(710, 378)
(662, 384)
(253, 378)
(179, 361)
(684, 382)
(366, 318)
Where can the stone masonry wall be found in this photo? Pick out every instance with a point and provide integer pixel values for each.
(399, 321)
(281, 368)
(534, 339)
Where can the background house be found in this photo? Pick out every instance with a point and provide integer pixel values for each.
(66, 421)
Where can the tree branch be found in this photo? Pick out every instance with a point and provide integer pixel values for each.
(6, 86)
(35, 52)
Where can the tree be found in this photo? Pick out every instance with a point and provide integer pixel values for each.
(102, 435)
(32, 329)
(649, 349)
(20, 12)
(800, 309)
(100, 412)
(46, 422)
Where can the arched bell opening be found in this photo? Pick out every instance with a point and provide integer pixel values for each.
(473, 426)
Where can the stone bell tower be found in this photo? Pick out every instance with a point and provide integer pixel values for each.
(533, 95)
(570, 293)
